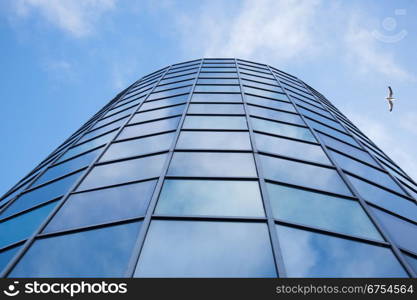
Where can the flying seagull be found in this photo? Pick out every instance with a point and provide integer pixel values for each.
(390, 99)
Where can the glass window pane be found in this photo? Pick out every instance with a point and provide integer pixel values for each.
(173, 85)
(103, 129)
(157, 114)
(270, 103)
(210, 197)
(68, 166)
(136, 147)
(385, 199)
(272, 127)
(332, 132)
(182, 77)
(104, 139)
(309, 254)
(169, 93)
(217, 88)
(215, 122)
(103, 206)
(212, 164)
(303, 174)
(41, 195)
(206, 249)
(319, 118)
(345, 148)
(257, 78)
(211, 140)
(76, 255)
(262, 85)
(412, 261)
(218, 69)
(221, 109)
(6, 256)
(275, 115)
(216, 98)
(217, 81)
(116, 116)
(149, 128)
(402, 232)
(217, 75)
(365, 171)
(164, 102)
(265, 93)
(23, 226)
(291, 148)
(320, 210)
(124, 171)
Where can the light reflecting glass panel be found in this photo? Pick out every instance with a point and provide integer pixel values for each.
(272, 127)
(6, 256)
(270, 103)
(206, 249)
(320, 210)
(216, 98)
(214, 164)
(136, 147)
(210, 197)
(149, 128)
(164, 102)
(275, 115)
(169, 93)
(212, 140)
(217, 88)
(309, 254)
(221, 109)
(103, 206)
(215, 122)
(77, 255)
(290, 148)
(157, 114)
(303, 174)
(124, 171)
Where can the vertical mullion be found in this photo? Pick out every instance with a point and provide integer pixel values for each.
(279, 262)
(64, 198)
(148, 216)
(362, 202)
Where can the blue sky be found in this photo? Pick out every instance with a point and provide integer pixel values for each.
(61, 60)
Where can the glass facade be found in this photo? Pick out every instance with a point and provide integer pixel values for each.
(213, 168)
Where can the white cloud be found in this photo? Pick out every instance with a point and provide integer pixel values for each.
(364, 51)
(275, 30)
(77, 18)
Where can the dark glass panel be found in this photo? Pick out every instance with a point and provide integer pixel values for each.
(103, 206)
(77, 255)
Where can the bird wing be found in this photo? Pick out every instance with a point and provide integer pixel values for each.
(390, 92)
(391, 105)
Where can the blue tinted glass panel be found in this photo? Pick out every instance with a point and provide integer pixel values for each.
(212, 164)
(217, 88)
(216, 98)
(326, 256)
(68, 166)
(103, 129)
(138, 147)
(365, 171)
(104, 139)
(157, 114)
(320, 210)
(263, 86)
(124, 171)
(290, 148)
(206, 249)
(23, 226)
(214, 140)
(402, 232)
(217, 81)
(6, 256)
(215, 122)
(303, 174)
(217, 75)
(103, 206)
(41, 195)
(295, 132)
(265, 93)
(270, 103)
(218, 69)
(332, 132)
(76, 255)
(164, 102)
(173, 85)
(169, 93)
(116, 116)
(149, 128)
(412, 261)
(275, 115)
(385, 199)
(210, 197)
(221, 109)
